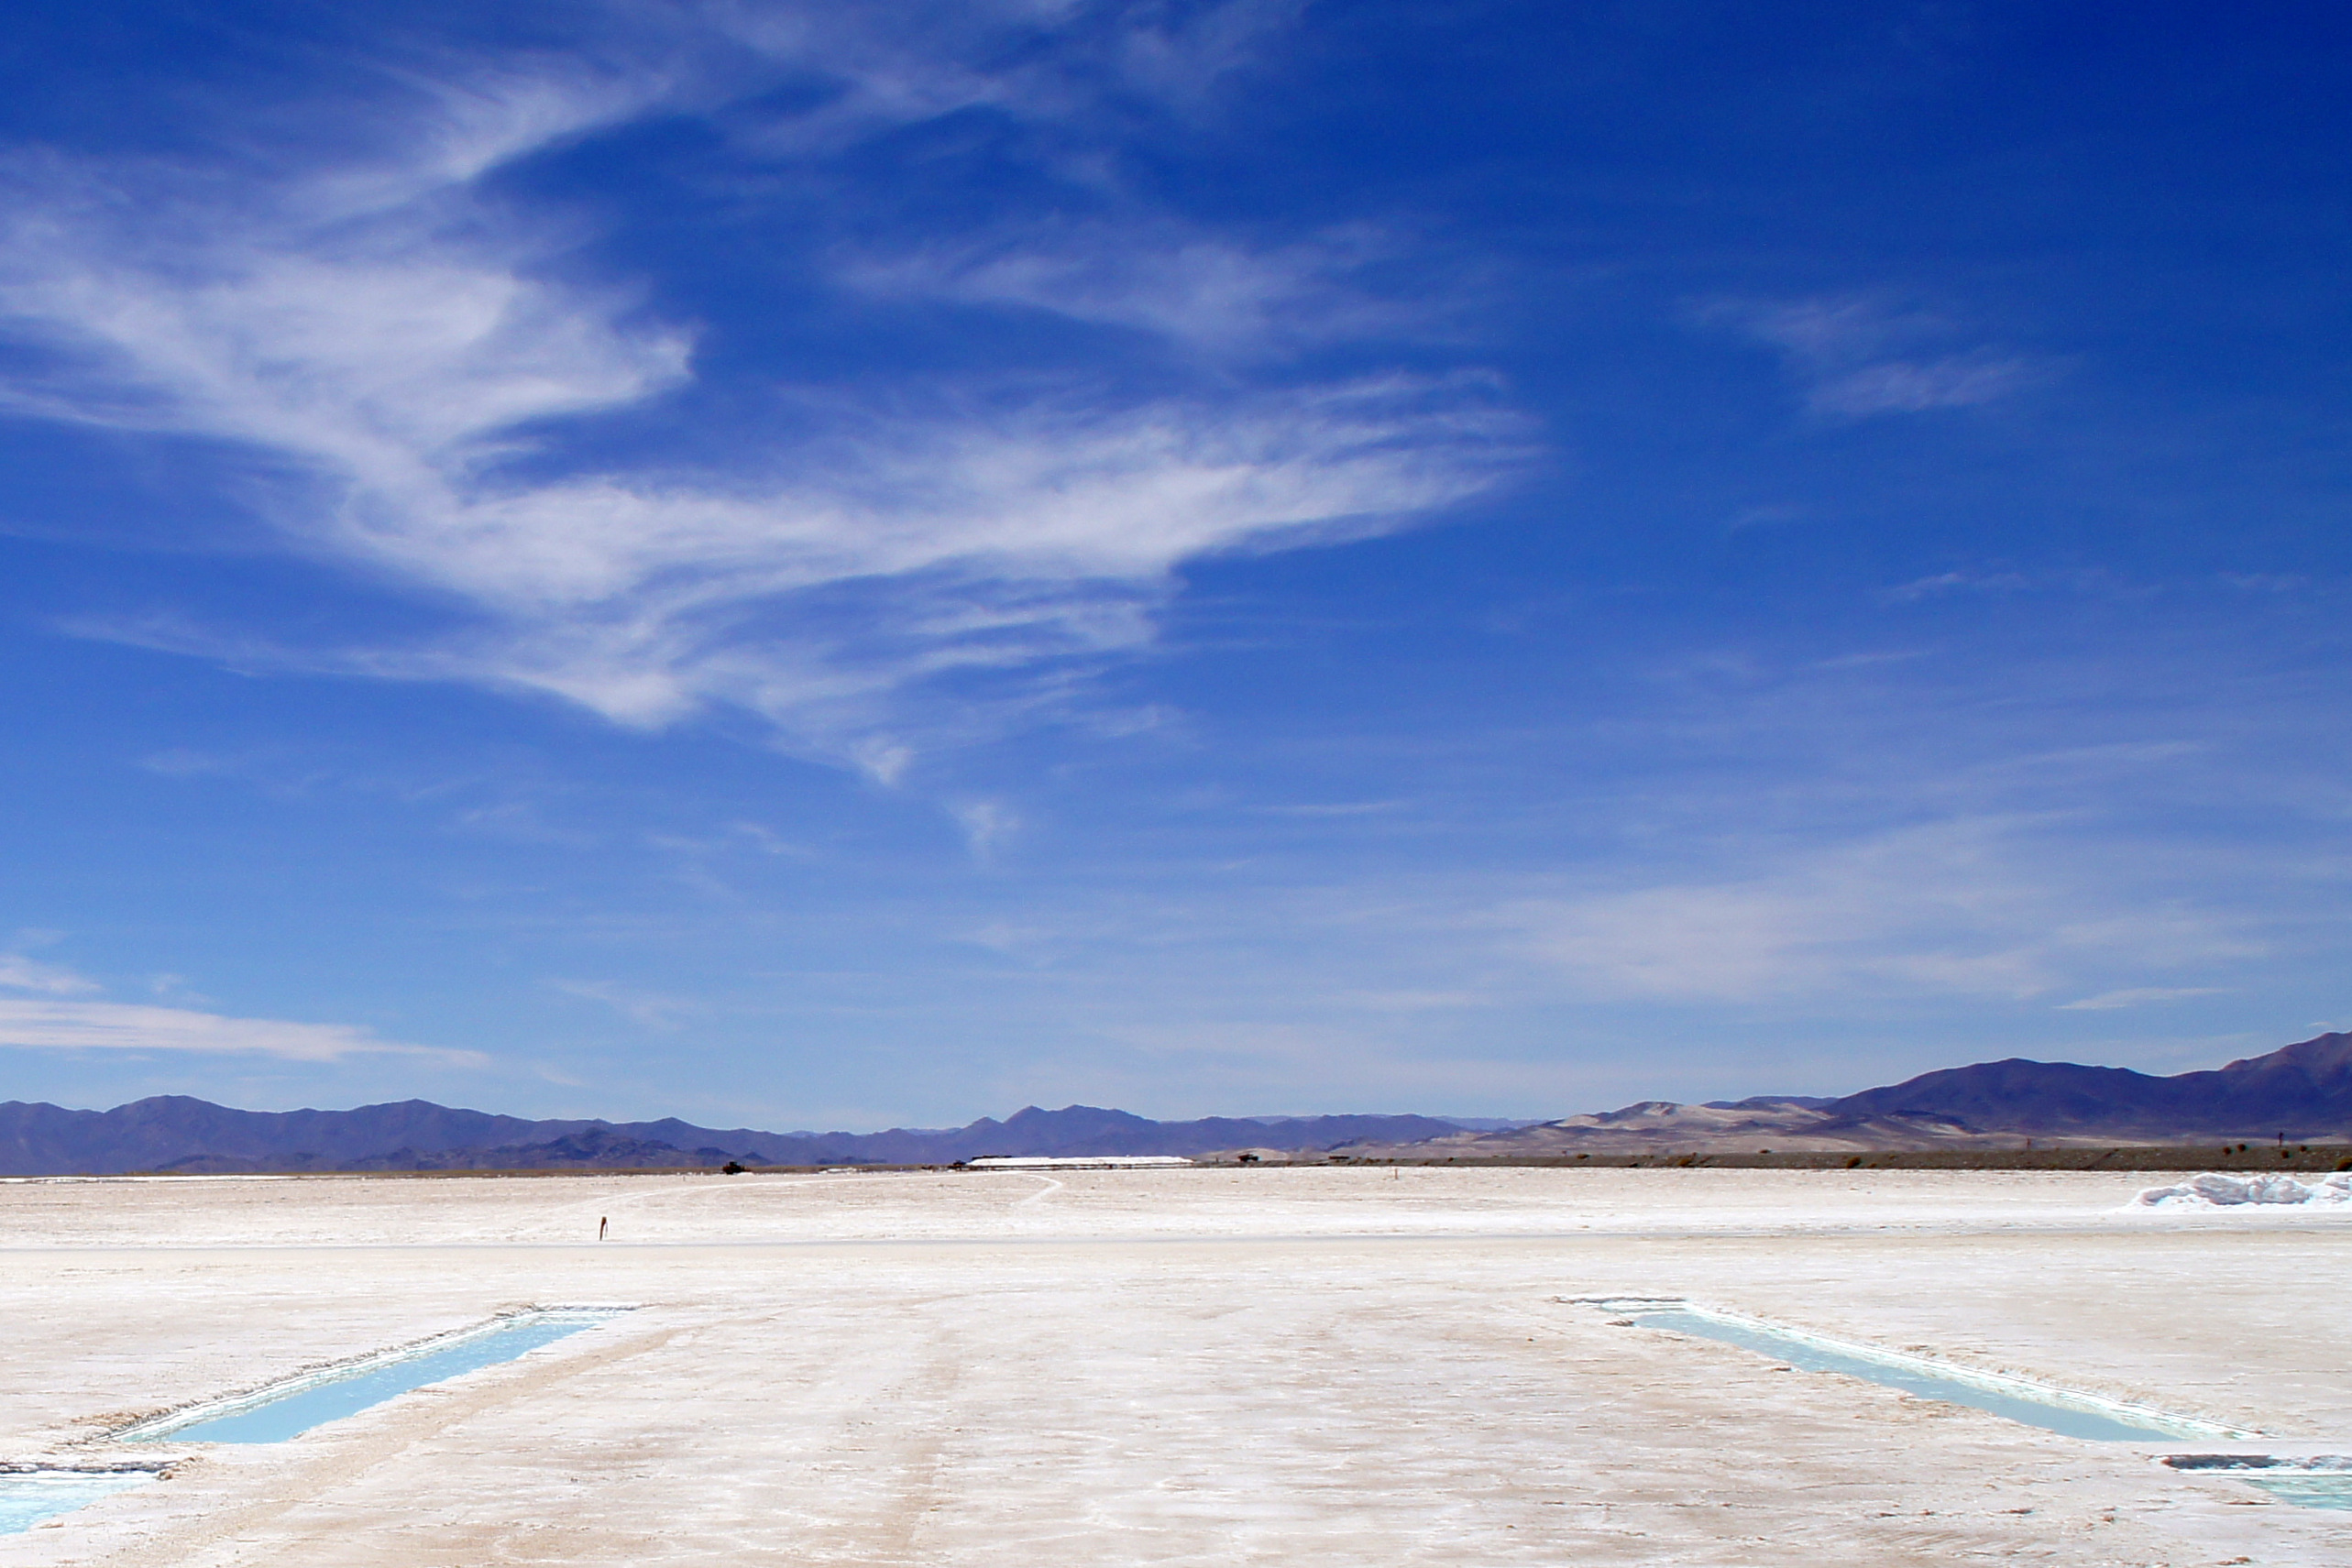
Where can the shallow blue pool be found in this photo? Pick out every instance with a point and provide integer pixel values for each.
(2053, 1409)
(2304, 1488)
(307, 1402)
(27, 1500)
(2306, 1483)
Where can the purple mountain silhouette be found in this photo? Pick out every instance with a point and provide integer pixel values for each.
(174, 1133)
(2303, 1090)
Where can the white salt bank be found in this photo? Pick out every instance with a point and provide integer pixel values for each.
(1181, 1367)
(2226, 1189)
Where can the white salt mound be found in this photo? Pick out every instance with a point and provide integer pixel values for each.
(2218, 1189)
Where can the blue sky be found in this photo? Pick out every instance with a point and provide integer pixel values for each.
(807, 566)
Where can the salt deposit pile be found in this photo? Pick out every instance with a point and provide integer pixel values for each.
(2224, 1189)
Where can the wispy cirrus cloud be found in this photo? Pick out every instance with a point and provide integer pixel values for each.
(989, 543)
(1209, 293)
(2139, 996)
(1944, 583)
(47, 1021)
(1063, 66)
(1859, 356)
(1965, 907)
(128, 1026)
(412, 353)
(18, 972)
(652, 1010)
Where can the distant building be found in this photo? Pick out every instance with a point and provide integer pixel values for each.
(1075, 1162)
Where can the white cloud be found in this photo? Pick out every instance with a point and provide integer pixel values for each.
(1943, 583)
(406, 351)
(1208, 293)
(2138, 996)
(1053, 62)
(987, 826)
(652, 1009)
(1969, 907)
(1907, 386)
(18, 972)
(1185, 56)
(1860, 357)
(112, 1025)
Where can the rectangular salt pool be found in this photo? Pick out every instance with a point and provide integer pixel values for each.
(30, 1497)
(289, 1408)
(2062, 1410)
(2306, 1483)
(2304, 1488)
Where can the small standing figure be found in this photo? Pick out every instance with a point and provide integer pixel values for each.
(600, 1228)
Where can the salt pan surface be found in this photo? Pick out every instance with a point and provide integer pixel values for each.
(1170, 1369)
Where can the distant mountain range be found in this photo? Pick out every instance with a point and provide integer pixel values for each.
(174, 1133)
(2303, 1091)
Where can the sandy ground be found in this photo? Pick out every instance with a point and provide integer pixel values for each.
(1210, 1367)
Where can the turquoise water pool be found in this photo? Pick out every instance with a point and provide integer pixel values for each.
(31, 1498)
(2304, 1488)
(2032, 1404)
(2306, 1483)
(296, 1406)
